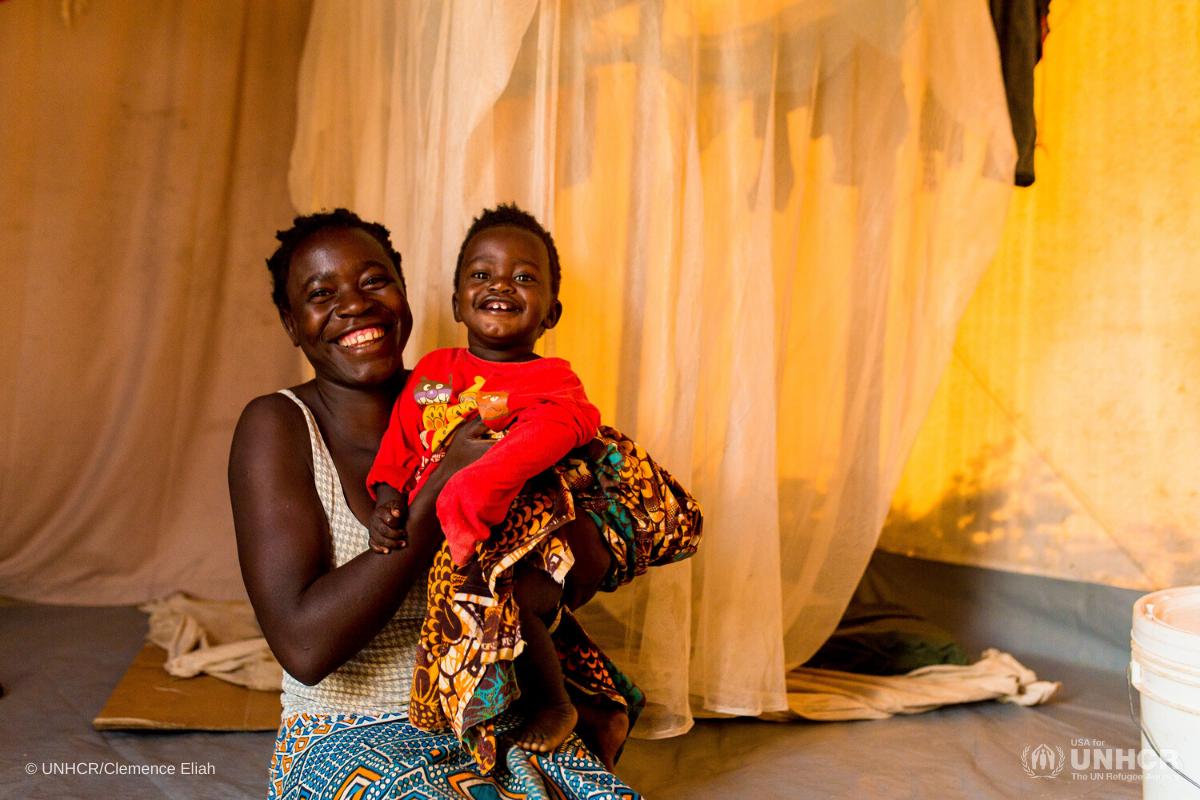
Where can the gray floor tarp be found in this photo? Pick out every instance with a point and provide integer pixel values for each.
(59, 664)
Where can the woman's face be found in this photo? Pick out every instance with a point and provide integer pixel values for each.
(348, 313)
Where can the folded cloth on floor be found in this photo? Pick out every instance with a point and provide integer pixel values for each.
(826, 695)
(221, 639)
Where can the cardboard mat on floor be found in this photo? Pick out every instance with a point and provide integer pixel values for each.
(147, 698)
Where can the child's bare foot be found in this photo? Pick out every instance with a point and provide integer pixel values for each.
(603, 729)
(547, 727)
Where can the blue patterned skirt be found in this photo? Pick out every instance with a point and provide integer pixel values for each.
(358, 757)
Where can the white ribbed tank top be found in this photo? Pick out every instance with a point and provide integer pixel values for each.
(378, 678)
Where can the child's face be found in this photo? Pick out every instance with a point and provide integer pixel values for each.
(503, 295)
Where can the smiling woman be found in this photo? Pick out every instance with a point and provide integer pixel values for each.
(336, 279)
(342, 620)
(353, 271)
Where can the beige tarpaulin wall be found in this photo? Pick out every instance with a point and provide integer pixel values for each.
(143, 160)
(771, 216)
(1064, 439)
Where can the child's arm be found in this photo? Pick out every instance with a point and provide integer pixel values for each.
(394, 464)
(387, 521)
(548, 391)
(398, 456)
(479, 496)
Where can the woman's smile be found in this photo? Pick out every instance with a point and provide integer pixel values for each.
(362, 337)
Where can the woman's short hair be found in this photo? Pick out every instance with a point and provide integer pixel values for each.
(304, 226)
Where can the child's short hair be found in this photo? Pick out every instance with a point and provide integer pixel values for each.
(304, 226)
(511, 214)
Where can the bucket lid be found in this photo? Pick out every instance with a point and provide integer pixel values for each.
(1168, 622)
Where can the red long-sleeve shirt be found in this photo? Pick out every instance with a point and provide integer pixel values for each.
(541, 402)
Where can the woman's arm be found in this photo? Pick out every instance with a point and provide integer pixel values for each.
(313, 615)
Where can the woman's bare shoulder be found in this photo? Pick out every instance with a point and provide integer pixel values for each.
(272, 428)
(274, 413)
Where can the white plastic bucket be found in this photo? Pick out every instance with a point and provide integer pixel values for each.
(1166, 671)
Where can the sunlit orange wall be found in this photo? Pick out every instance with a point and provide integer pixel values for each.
(1065, 437)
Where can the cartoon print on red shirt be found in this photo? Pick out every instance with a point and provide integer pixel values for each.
(493, 405)
(453, 414)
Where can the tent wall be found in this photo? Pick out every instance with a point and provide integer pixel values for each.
(1063, 438)
(1074, 622)
(143, 161)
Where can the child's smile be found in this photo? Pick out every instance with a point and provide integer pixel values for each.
(498, 304)
(504, 295)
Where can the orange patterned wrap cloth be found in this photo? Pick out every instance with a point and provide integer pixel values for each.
(464, 675)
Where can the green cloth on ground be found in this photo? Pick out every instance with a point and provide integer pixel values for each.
(886, 639)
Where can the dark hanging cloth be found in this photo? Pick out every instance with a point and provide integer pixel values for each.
(1019, 30)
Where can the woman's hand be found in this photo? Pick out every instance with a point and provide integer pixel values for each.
(468, 444)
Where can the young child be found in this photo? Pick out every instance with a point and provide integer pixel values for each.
(506, 294)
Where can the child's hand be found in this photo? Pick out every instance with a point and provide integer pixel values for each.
(387, 525)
